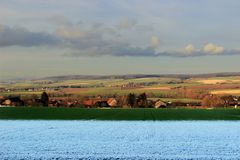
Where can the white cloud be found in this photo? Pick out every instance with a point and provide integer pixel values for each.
(189, 49)
(155, 41)
(211, 48)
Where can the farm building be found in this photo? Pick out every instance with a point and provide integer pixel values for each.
(112, 102)
(160, 104)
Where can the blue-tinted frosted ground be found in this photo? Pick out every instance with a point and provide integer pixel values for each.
(119, 139)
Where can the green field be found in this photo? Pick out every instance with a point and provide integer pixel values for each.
(26, 113)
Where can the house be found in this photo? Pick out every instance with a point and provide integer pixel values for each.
(160, 104)
(89, 103)
(95, 103)
(112, 102)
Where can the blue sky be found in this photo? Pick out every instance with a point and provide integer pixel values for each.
(59, 37)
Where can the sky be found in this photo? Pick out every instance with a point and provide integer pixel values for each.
(105, 37)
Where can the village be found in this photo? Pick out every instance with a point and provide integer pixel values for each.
(126, 101)
(129, 101)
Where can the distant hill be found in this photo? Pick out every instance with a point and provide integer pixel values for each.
(133, 76)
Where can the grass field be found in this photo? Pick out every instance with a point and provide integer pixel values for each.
(118, 114)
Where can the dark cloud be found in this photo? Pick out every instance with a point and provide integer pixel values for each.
(133, 51)
(114, 50)
(10, 36)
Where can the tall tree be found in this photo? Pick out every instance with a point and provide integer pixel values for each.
(142, 100)
(131, 99)
(44, 99)
(212, 101)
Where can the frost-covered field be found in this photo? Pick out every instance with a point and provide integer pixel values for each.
(119, 139)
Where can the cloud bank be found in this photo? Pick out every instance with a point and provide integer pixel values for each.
(98, 41)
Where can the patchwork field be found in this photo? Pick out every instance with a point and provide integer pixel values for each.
(171, 89)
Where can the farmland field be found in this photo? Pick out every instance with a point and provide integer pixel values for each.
(214, 80)
(166, 89)
(119, 139)
(227, 91)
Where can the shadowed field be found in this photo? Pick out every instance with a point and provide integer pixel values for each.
(118, 114)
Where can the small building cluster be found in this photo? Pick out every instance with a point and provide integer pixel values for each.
(127, 101)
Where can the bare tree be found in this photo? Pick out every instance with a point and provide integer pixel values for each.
(131, 99)
(213, 101)
(142, 100)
